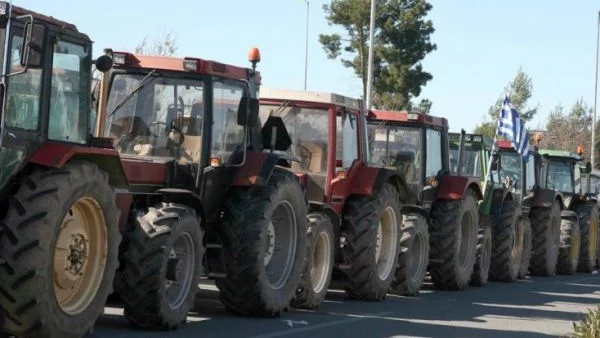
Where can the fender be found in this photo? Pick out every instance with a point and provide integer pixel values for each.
(414, 209)
(544, 198)
(569, 215)
(371, 180)
(326, 209)
(453, 187)
(57, 155)
(185, 197)
(256, 170)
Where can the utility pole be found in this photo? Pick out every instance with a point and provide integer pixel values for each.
(595, 97)
(306, 47)
(370, 62)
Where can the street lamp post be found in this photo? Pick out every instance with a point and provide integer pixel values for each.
(306, 47)
(595, 97)
(370, 61)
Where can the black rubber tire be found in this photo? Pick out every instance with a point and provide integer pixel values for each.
(31, 226)
(146, 265)
(483, 260)
(544, 241)
(507, 238)
(244, 231)
(445, 268)
(588, 211)
(409, 280)
(361, 217)
(568, 258)
(527, 240)
(307, 296)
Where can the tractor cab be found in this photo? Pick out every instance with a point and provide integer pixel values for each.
(476, 154)
(415, 144)
(184, 123)
(561, 172)
(45, 87)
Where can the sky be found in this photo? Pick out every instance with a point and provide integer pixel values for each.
(480, 45)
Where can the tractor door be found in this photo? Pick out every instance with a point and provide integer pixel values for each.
(226, 148)
(436, 162)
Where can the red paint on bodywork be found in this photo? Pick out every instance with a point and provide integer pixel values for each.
(123, 201)
(144, 172)
(453, 187)
(505, 144)
(402, 116)
(248, 173)
(359, 180)
(56, 155)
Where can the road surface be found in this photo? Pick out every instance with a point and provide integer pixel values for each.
(535, 307)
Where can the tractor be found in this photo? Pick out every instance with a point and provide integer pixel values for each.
(590, 186)
(504, 229)
(579, 235)
(207, 196)
(418, 146)
(355, 209)
(59, 234)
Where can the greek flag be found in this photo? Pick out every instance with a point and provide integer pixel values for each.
(513, 128)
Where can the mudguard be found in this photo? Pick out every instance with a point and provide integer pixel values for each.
(256, 170)
(326, 209)
(413, 209)
(57, 155)
(569, 215)
(185, 197)
(370, 180)
(453, 187)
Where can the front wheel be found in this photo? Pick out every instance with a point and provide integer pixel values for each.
(507, 243)
(316, 278)
(483, 261)
(527, 240)
(162, 265)
(588, 226)
(569, 250)
(414, 256)
(60, 252)
(264, 242)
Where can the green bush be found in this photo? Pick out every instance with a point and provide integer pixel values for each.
(589, 327)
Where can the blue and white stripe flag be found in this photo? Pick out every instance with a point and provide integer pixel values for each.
(513, 128)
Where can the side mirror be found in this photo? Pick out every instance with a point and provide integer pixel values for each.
(104, 63)
(32, 49)
(247, 114)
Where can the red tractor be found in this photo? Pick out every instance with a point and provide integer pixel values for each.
(363, 231)
(206, 194)
(417, 145)
(59, 237)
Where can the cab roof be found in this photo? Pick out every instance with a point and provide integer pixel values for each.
(561, 153)
(326, 98)
(16, 10)
(406, 117)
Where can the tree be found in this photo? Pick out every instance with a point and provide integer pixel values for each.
(565, 131)
(520, 90)
(402, 40)
(165, 45)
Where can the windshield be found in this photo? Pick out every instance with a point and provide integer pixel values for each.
(472, 162)
(154, 119)
(309, 130)
(559, 175)
(594, 187)
(510, 168)
(397, 146)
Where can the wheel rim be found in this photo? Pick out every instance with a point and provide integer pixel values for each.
(180, 270)
(281, 245)
(385, 253)
(464, 242)
(593, 237)
(80, 256)
(417, 253)
(321, 262)
(575, 243)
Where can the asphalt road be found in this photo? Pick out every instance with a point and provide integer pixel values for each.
(535, 307)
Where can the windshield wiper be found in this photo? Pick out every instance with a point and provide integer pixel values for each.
(142, 83)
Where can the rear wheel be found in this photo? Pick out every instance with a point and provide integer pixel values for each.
(316, 278)
(570, 247)
(264, 242)
(545, 226)
(59, 251)
(507, 248)
(414, 256)
(526, 258)
(588, 226)
(161, 267)
(371, 226)
(483, 260)
(453, 241)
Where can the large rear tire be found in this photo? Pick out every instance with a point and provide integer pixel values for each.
(588, 226)
(161, 267)
(526, 258)
(265, 244)
(507, 244)
(545, 226)
(414, 256)
(59, 252)
(371, 227)
(316, 277)
(453, 241)
(570, 247)
(483, 261)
